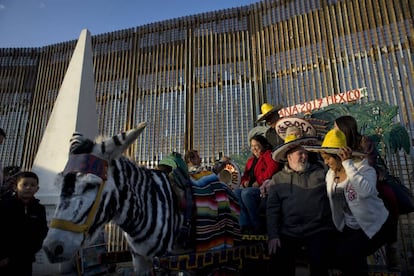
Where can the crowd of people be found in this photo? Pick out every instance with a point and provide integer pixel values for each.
(326, 199)
(300, 191)
(321, 196)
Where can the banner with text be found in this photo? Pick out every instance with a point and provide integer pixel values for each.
(348, 96)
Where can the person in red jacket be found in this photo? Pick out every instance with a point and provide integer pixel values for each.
(259, 167)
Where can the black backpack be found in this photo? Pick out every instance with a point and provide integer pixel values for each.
(403, 196)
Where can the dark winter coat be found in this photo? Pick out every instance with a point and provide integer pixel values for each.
(297, 204)
(23, 230)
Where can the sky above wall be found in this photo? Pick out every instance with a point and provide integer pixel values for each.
(37, 23)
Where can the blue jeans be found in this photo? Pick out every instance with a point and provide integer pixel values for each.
(249, 201)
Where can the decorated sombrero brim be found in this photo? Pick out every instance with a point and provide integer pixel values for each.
(230, 175)
(330, 150)
(279, 154)
(284, 123)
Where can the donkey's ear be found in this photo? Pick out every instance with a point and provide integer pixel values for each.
(114, 146)
(80, 144)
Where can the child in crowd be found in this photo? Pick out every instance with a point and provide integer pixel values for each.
(24, 227)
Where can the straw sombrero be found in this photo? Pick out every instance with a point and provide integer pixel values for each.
(268, 110)
(258, 130)
(291, 142)
(334, 140)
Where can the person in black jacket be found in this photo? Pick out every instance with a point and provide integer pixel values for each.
(298, 214)
(24, 227)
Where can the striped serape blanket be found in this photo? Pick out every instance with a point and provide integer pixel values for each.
(216, 218)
